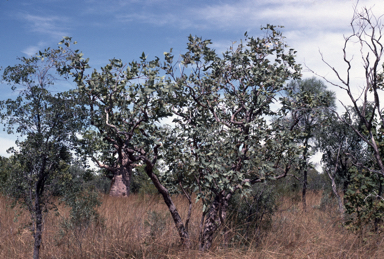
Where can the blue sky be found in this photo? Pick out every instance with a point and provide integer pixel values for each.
(124, 29)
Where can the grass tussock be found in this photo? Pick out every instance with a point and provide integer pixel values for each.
(141, 227)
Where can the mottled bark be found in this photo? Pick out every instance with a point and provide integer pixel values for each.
(334, 189)
(215, 218)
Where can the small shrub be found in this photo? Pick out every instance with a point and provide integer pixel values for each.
(141, 183)
(77, 192)
(157, 223)
(328, 200)
(251, 214)
(82, 216)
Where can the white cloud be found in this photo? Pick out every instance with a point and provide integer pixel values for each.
(250, 14)
(32, 50)
(47, 25)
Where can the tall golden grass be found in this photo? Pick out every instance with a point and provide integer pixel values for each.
(140, 227)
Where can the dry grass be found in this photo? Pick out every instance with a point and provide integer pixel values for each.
(140, 227)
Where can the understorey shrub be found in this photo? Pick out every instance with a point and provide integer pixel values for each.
(364, 203)
(251, 215)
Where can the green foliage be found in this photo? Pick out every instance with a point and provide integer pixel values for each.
(363, 202)
(101, 183)
(221, 142)
(328, 200)
(253, 212)
(157, 223)
(363, 198)
(45, 123)
(83, 214)
(317, 181)
(289, 186)
(141, 183)
(309, 103)
(42, 120)
(122, 105)
(76, 177)
(5, 167)
(83, 204)
(222, 145)
(340, 145)
(355, 168)
(75, 187)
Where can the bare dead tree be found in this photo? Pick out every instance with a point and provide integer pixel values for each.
(367, 33)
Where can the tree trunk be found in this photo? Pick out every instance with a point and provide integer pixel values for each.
(38, 228)
(214, 219)
(305, 176)
(304, 192)
(334, 189)
(36, 209)
(380, 193)
(183, 233)
(126, 177)
(210, 226)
